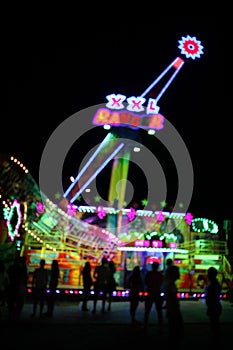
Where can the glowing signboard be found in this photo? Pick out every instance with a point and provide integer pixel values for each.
(104, 116)
(191, 48)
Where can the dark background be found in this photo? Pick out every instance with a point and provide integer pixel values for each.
(47, 78)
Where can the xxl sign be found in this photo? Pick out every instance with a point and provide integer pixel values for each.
(135, 104)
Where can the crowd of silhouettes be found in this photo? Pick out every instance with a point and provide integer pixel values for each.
(158, 288)
(44, 287)
(155, 288)
(100, 277)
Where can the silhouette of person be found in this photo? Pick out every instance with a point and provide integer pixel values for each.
(53, 283)
(169, 263)
(213, 303)
(18, 277)
(111, 284)
(153, 283)
(87, 283)
(136, 286)
(4, 284)
(173, 312)
(23, 285)
(39, 285)
(100, 277)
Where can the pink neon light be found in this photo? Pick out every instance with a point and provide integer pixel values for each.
(124, 118)
(135, 103)
(71, 210)
(173, 245)
(157, 244)
(138, 243)
(190, 47)
(160, 217)
(131, 214)
(40, 207)
(152, 106)
(188, 218)
(142, 243)
(178, 62)
(146, 243)
(101, 212)
(115, 101)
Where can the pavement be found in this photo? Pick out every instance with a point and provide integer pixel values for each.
(71, 326)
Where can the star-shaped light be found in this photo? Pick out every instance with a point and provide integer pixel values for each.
(97, 199)
(163, 204)
(57, 195)
(190, 47)
(144, 202)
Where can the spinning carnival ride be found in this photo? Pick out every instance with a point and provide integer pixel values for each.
(126, 119)
(38, 227)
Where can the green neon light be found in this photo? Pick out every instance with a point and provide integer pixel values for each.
(13, 230)
(204, 225)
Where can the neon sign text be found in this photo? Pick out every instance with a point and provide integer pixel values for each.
(134, 103)
(104, 116)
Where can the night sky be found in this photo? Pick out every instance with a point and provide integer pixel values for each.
(46, 80)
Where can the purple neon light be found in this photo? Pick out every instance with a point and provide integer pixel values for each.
(97, 172)
(87, 164)
(173, 64)
(169, 81)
